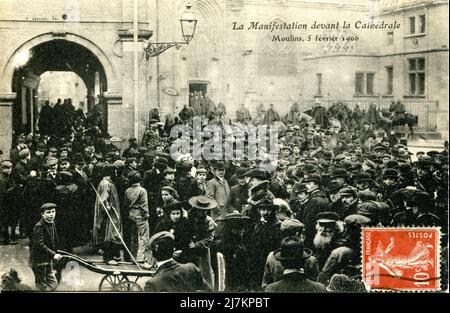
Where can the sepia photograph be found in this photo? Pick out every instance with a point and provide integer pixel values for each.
(224, 146)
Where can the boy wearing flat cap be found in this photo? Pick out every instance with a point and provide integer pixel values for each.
(44, 244)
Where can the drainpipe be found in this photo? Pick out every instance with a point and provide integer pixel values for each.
(135, 68)
(158, 95)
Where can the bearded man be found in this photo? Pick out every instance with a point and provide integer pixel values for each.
(328, 236)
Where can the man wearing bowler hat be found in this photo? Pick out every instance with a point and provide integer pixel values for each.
(218, 189)
(171, 276)
(292, 256)
(317, 202)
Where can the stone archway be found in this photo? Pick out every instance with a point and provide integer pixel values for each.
(8, 70)
(110, 95)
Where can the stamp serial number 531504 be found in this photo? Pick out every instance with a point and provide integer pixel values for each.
(401, 259)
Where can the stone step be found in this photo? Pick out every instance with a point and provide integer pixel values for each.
(429, 143)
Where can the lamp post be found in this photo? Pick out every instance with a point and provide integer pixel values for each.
(188, 24)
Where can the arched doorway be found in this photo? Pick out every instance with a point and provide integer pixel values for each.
(9, 67)
(62, 56)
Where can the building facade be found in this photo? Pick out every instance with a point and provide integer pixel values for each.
(237, 56)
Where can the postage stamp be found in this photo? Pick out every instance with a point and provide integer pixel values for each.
(401, 259)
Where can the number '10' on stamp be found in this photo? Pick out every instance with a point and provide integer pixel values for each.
(401, 259)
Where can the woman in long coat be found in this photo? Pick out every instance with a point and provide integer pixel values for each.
(105, 232)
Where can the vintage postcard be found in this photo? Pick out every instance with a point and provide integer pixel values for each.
(275, 146)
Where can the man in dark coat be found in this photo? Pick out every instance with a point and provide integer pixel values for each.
(349, 198)
(317, 202)
(69, 215)
(6, 188)
(271, 115)
(185, 184)
(186, 114)
(37, 191)
(243, 115)
(38, 159)
(292, 256)
(265, 238)
(20, 175)
(347, 255)
(46, 120)
(43, 249)
(170, 275)
(239, 193)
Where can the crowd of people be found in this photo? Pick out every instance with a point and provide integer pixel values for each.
(295, 227)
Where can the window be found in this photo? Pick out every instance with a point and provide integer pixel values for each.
(369, 83)
(390, 38)
(359, 83)
(422, 23)
(416, 72)
(412, 25)
(319, 84)
(390, 80)
(417, 24)
(364, 83)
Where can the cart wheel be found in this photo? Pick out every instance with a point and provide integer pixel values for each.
(109, 281)
(127, 286)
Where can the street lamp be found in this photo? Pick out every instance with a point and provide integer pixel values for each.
(188, 24)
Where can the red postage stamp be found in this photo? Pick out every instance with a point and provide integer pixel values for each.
(401, 259)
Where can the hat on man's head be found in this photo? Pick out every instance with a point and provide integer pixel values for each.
(159, 237)
(390, 173)
(202, 169)
(291, 226)
(309, 168)
(432, 153)
(218, 165)
(240, 172)
(299, 187)
(161, 162)
(52, 161)
(267, 203)
(356, 220)
(313, 178)
(404, 169)
(6, 163)
(327, 218)
(339, 173)
(292, 249)
(356, 166)
(41, 147)
(347, 191)
(24, 153)
(170, 190)
(48, 206)
(425, 162)
(327, 155)
(256, 173)
(98, 156)
(134, 177)
(363, 177)
(367, 195)
(170, 170)
(235, 220)
(391, 164)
